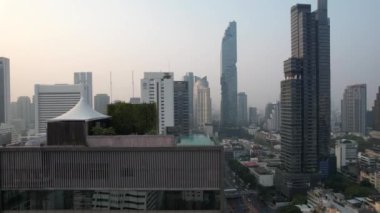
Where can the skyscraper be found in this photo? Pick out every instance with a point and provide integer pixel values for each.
(354, 109)
(85, 78)
(101, 103)
(242, 109)
(202, 103)
(157, 87)
(376, 112)
(253, 115)
(272, 123)
(181, 107)
(54, 100)
(228, 79)
(24, 111)
(189, 77)
(5, 95)
(305, 100)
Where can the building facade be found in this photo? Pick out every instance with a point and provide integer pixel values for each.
(101, 103)
(5, 94)
(242, 109)
(135, 100)
(228, 79)
(253, 120)
(354, 109)
(158, 87)
(54, 100)
(114, 178)
(123, 200)
(376, 112)
(346, 152)
(181, 107)
(305, 100)
(85, 78)
(273, 122)
(24, 111)
(189, 77)
(202, 103)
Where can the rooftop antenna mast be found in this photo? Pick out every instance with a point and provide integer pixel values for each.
(111, 85)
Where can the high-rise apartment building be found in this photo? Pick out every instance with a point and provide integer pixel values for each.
(202, 103)
(376, 113)
(228, 79)
(242, 109)
(101, 103)
(354, 109)
(54, 100)
(253, 116)
(24, 111)
(5, 95)
(85, 78)
(305, 100)
(181, 107)
(189, 77)
(273, 121)
(157, 87)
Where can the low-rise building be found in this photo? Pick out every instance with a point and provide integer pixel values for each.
(325, 200)
(346, 152)
(366, 161)
(263, 176)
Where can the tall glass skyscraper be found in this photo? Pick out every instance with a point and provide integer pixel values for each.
(228, 79)
(305, 100)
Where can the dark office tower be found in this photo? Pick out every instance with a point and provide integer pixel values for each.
(228, 80)
(189, 77)
(242, 109)
(305, 100)
(253, 115)
(376, 113)
(181, 107)
(5, 99)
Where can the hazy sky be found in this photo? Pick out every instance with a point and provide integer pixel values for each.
(48, 40)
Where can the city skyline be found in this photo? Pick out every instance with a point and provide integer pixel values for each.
(55, 47)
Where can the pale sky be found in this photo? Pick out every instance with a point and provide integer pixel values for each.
(48, 40)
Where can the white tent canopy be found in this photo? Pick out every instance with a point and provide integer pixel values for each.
(80, 112)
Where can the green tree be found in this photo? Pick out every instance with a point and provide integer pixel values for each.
(356, 191)
(133, 118)
(97, 130)
(299, 199)
(290, 209)
(243, 173)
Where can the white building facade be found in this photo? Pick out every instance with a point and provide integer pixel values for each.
(54, 100)
(202, 103)
(85, 78)
(346, 152)
(158, 87)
